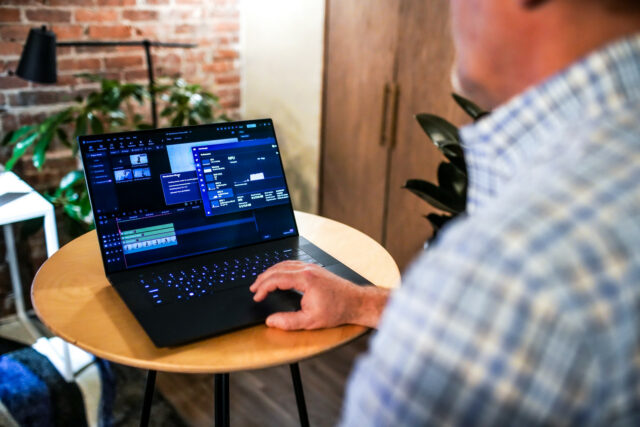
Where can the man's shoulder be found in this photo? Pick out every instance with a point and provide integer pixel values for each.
(569, 225)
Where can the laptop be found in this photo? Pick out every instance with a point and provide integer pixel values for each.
(188, 217)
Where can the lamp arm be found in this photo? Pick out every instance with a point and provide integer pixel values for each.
(125, 43)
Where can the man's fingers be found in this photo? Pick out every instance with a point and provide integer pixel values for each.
(278, 268)
(288, 320)
(283, 281)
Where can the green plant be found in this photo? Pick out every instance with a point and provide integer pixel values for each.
(450, 194)
(114, 107)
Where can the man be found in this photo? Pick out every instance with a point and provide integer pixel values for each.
(527, 311)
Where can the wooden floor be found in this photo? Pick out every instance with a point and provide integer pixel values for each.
(265, 397)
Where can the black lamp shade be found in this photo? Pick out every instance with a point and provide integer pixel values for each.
(38, 60)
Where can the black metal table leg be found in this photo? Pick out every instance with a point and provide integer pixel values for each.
(148, 398)
(222, 400)
(297, 387)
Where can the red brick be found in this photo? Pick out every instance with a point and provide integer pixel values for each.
(228, 92)
(12, 82)
(79, 64)
(230, 79)
(218, 66)
(194, 55)
(8, 66)
(21, 2)
(188, 1)
(110, 32)
(136, 75)
(157, 1)
(100, 15)
(226, 26)
(186, 14)
(30, 118)
(128, 49)
(230, 102)
(48, 15)
(68, 32)
(9, 122)
(140, 15)
(2, 99)
(168, 68)
(226, 54)
(9, 14)
(116, 2)
(14, 32)
(123, 61)
(149, 31)
(10, 48)
(68, 80)
(186, 29)
(71, 2)
(39, 97)
(63, 51)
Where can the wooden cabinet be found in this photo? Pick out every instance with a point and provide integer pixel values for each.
(385, 61)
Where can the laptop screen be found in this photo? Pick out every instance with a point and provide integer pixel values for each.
(164, 194)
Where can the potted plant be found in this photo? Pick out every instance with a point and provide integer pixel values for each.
(114, 107)
(449, 195)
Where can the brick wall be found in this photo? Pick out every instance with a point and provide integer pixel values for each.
(212, 24)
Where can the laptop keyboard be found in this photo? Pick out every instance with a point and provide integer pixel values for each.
(195, 282)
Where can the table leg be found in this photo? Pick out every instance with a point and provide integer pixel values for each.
(222, 400)
(148, 398)
(297, 387)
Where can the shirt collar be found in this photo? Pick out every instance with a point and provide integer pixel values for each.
(500, 145)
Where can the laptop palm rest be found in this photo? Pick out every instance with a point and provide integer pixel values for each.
(219, 313)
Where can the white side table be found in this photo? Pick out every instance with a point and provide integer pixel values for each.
(29, 206)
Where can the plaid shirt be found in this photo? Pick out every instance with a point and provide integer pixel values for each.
(527, 310)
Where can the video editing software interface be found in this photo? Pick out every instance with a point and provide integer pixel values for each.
(165, 194)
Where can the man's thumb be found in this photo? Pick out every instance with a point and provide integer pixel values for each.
(288, 320)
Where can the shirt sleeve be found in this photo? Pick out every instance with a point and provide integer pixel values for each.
(472, 338)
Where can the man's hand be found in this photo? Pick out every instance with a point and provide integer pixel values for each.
(328, 300)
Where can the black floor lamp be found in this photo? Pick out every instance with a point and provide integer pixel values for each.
(38, 59)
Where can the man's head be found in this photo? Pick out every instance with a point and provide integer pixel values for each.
(505, 46)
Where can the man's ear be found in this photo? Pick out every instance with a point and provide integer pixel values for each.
(531, 4)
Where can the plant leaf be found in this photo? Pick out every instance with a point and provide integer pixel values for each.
(19, 150)
(435, 196)
(63, 137)
(451, 149)
(91, 77)
(13, 137)
(96, 125)
(475, 112)
(438, 129)
(81, 125)
(70, 179)
(438, 221)
(41, 146)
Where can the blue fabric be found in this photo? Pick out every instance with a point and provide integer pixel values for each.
(65, 399)
(35, 394)
(526, 311)
(24, 394)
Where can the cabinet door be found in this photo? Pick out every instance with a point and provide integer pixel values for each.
(359, 61)
(425, 58)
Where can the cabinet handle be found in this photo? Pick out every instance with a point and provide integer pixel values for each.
(395, 95)
(383, 119)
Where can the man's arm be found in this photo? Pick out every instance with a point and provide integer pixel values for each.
(328, 300)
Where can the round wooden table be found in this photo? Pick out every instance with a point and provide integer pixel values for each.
(73, 298)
